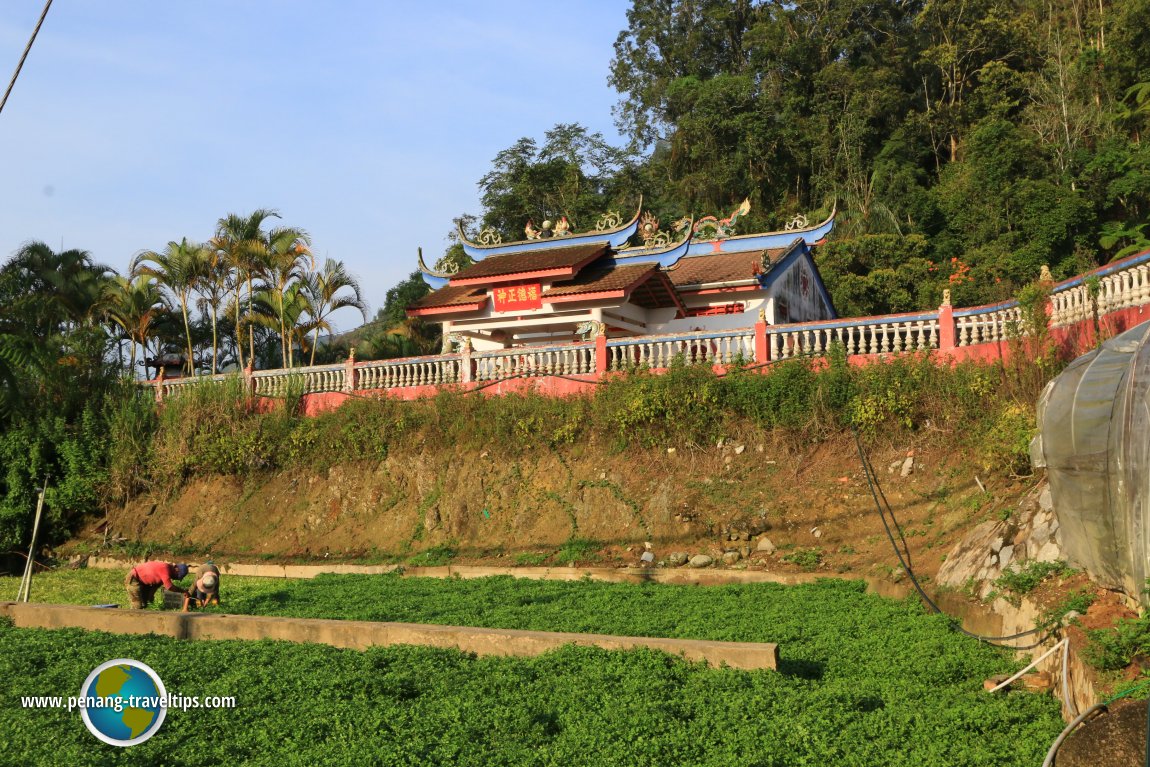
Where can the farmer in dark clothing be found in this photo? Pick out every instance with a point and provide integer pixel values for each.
(206, 590)
(143, 581)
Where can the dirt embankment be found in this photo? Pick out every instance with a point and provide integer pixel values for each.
(812, 502)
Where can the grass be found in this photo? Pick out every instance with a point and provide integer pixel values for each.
(862, 680)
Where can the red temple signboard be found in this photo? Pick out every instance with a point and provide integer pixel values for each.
(510, 298)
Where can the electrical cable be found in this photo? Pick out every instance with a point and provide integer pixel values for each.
(27, 48)
(872, 481)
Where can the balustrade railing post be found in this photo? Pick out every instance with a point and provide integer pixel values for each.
(160, 387)
(946, 334)
(466, 368)
(249, 381)
(349, 382)
(762, 353)
(601, 363)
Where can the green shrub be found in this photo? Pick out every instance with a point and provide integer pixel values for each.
(808, 559)
(1026, 578)
(1116, 648)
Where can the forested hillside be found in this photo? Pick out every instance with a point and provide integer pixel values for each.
(965, 142)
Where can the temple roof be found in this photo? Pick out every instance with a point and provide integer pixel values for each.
(601, 280)
(724, 267)
(452, 296)
(571, 259)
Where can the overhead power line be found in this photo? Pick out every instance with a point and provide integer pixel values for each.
(27, 48)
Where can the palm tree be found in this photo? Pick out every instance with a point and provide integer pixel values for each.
(285, 264)
(216, 283)
(181, 267)
(322, 290)
(135, 305)
(241, 243)
(56, 290)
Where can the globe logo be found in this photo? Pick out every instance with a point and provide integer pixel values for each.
(124, 702)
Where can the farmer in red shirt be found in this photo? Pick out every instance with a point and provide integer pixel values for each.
(144, 580)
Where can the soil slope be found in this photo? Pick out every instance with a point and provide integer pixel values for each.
(489, 506)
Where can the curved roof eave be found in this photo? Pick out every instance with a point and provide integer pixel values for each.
(615, 237)
(666, 257)
(435, 280)
(766, 240)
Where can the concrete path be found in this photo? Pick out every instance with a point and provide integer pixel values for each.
(363, 634)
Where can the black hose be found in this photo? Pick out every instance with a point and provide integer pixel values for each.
(872, 481)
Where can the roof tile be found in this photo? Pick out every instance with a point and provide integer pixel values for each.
(532, 261)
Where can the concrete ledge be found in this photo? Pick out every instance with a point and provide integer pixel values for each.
(359, 635)
(677, 575)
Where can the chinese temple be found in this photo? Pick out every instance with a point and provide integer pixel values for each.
(626, 278)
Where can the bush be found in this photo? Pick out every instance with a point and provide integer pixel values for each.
(1116, 648)
(1020, 580)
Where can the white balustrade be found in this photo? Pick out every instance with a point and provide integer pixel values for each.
(691, 348)
(994, 325)
(894, 335)
(420, 371)
(527, 361)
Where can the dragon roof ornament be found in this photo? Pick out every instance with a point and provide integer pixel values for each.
(723, 227)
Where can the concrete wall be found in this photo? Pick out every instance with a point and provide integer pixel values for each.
(360, 635)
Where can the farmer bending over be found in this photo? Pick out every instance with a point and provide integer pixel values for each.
(144, 580)
(206, 590)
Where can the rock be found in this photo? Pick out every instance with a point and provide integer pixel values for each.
(744, 551)
(719, 444)
(647, 545)
(1049, 552)
(816, 532)
(1045, 501)
(895, 466)
(1004, 555)
(997, 543)
(907, 466)
(677, 558)
(733, 537)
(670, 451)
(765, 546)
(700, 560)
(728, 460)
(739, 450)
(731, 557)
(648, 557)
(897, 574)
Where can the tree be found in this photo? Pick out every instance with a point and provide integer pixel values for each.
(181, 267)
(401, 296)
(328, 291)
(135, 305)
(243, 243)
(570, 175)
(285, 263)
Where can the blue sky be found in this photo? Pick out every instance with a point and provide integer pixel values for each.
(366, 123)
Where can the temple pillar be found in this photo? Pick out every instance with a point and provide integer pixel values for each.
(466, 370)
(349, 381)
(946, 334)
(601, 362)
(762, 353)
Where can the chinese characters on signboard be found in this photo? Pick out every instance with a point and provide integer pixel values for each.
(510, 298)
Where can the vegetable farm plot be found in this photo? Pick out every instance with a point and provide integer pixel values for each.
(863, 681)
